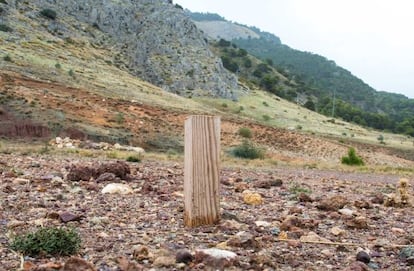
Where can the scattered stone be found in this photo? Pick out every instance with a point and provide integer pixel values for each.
(327, 253)
(244, 239)
(183, 256)
(240, 187)
(262, 184)
(364, 257)
(346, 212)
(106, 177)
(119, 168)
(312, 237)
(164, 261)
(66, 217)
(216, 258)
(129, 148)
(125, 265)
(378, 199)
(289, 222)
(362, 204)
(264, 224)
(303, 197)
(232, 225)
(77, 264)
(333, 203)
(398, 230)
(359, 222)
(141, 252)
(252, 198)
(81, 173)
(337, 231)
(407, 255)
(116, 188)
(357, 266)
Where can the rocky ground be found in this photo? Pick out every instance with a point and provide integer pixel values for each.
(288, 219)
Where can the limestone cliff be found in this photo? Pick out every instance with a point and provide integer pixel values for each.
(152, 39)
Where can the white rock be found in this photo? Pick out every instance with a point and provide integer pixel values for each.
(116, 188)
(219, 253)
(262, 223)
(346, 211)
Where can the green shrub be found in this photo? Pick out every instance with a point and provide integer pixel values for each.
(352, 158)
(134, 158)
(245, 132)
(248, 151)
(5, 28)
(48, 241)
(7, 58)
(58, 66)
(48, 13)
(265, 104)
(266, 117)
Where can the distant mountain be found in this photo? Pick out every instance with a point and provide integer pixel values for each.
(152, 39)
(332, 89)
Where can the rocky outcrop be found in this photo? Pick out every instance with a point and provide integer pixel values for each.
(152, 39)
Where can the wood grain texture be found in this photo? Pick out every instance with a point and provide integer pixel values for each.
(201, 170)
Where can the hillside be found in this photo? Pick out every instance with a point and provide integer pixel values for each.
(321, 80)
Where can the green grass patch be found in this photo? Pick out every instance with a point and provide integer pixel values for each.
(48, 241)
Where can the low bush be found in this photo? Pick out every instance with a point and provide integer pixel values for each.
(352, 159)
(245, 132)
(134, 158)
(247, 150)
(48, 241)
(48, 13)
(5, 28)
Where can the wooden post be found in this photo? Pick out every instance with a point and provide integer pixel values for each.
(201, 170)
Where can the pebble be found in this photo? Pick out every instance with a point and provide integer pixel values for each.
(362, 256)
(337, 231)
(346, 212)
(164, 261)
(183, 256)
(252, 198)
(116, 188)
(262, 223)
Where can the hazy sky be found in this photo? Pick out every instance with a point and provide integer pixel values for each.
(373, 39)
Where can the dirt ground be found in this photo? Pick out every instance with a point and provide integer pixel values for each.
(34, 192)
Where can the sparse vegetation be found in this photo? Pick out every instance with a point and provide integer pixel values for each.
(71, 73)
(5, 28)
(245, 132)
(247, 150)
(381, 139)
(48, 13)
(134, 158)
(58, 66)
(266, 117)
(48, 241)
(7, 58)
(352, 159)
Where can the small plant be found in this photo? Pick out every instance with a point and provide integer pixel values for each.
(48, 13)
(248, 151)
(120, 118)
(266, 117)
(224, 105)
(265, 104)
(71, 73)
(381, 139)
(245, 132)
(7, 58)
(134, 158)
(5, 28)
(48, 241)
(352, 159)
(298, 127)
(58, 66)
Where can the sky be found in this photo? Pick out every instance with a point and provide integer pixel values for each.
(373, 39)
